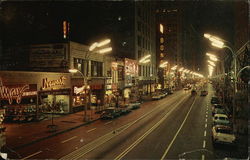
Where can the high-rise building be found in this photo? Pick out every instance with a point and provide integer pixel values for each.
(168, 41)
(131, 26)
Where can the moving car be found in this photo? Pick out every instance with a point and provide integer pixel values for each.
(215, 100)
(221, 119)
(110, 113)
(223, 134)
(203, 93)
(193, 92)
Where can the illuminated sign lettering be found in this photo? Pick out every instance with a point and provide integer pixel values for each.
(14, 93)
(52, 83)
(79, 90)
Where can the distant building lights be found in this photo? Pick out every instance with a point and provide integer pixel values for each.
(161, 28)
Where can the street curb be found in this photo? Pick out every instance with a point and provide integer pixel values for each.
(52, 135)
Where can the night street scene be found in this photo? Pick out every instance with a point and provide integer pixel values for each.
(131, 80)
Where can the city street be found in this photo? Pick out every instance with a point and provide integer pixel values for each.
(167, 133)
(124, 80)
(154, 131)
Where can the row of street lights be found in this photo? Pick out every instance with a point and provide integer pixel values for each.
(219, 43)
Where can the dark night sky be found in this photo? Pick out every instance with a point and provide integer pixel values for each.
(29, 22)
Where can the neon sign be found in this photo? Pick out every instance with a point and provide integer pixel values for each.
(48, 84)
(14, 93)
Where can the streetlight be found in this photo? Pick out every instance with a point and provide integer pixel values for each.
(164, 64)
(85, 87)
(214, 59)
(218, 42)
(211, 63)
(94, 47)
(145, 59)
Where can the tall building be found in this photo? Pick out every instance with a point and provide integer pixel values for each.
(131, 26)
(168, 41)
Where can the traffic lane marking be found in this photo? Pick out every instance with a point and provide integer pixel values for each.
(205, 133)
(203, 157)
(206, 119)
(204, 144)
(32, 155)
(99, 141)
(165, 153)
(141, 138)
(205, 125)
(108, 122)
(69, 139)
(91, 130)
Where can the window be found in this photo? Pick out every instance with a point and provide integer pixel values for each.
(139, 25)
(161, 55)
(161, 28)
(96, 69)
(81, 65)
(139, 54)
(139, 70)
(139, 40)
(161, 47)
(162, 40)
(120, 72)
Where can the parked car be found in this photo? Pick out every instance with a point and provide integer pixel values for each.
(216, 106)
(156, 97)
(215, 100)
(221, 119)
(223, 134)
(203, 93)
(162, 95)
(124, 110)
(110, 113)
(133, 106)
(219, 111)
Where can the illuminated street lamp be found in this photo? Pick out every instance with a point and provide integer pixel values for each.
(145, 59)
(210, 55)
(164, 64)
(213, 59)
(219, 43)
(211, 63)
(93, 48)
(181, 69)
(105, 50)
(174, 68)
(86, 87)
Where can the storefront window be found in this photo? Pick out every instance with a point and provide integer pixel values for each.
(96, 69)
(56, 102)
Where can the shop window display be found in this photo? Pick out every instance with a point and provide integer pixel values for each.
(24, 112)
(55, 104)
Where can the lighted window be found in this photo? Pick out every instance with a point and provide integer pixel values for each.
(161, 55)
(161, 28)
(161, 47)
(162, 40)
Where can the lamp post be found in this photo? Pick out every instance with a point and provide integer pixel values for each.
(85, 87)
(219, 43)
(95, 47)
(145, 60)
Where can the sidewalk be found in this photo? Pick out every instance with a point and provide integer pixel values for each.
(23, 134)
